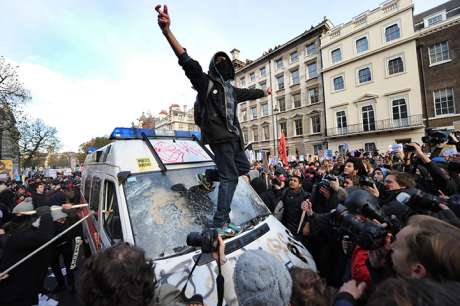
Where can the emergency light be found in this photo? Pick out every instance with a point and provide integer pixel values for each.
(121, 133)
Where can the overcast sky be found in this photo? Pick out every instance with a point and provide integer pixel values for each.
(92, 65)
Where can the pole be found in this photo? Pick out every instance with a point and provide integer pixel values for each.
(273, 106)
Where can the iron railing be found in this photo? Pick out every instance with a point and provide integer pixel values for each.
(377, 126)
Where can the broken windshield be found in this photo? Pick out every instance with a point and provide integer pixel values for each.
(165, 208)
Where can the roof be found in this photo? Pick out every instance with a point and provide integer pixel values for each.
(452, 8)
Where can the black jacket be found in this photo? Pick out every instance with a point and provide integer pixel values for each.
(215, 128)
(292, 203)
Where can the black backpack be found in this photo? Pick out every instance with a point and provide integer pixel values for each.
(199, 108)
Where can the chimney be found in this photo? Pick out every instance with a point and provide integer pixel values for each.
(235, 54)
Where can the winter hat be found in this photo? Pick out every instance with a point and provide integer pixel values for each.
(253, 174)
(24, 206)
(3, 187)
(261, 280)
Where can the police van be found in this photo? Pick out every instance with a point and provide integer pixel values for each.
(142, 189)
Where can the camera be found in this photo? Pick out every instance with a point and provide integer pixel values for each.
(206, 240)
(435, 137)
(418, 200)
(366, 181)
(368, 235)
(408, 148)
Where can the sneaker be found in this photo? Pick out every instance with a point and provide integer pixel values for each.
(204, 182)
(234, 227)
(225, 231)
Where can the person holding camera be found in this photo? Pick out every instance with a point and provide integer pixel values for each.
(219, 124)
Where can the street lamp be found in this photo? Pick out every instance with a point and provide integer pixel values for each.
(274, 112)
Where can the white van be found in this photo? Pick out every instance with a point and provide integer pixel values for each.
(143, 190)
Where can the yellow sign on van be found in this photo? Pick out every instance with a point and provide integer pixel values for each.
(144, 164)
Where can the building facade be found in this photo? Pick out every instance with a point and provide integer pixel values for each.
(9, 136)
(296, 104)
(371, 80)
(176, 118)
(438, 45)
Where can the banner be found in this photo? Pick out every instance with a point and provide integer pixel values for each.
(6, 168)
(282, 152)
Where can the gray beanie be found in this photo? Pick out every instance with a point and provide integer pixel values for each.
(24, 206)
(261, 280)
(56, 214)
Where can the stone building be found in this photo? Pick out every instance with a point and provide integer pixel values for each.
(9, 136)
(296, 105)
(371, 80)
(174, 119)
(438, 46)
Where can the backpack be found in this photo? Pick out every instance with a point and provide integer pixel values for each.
(199, 108)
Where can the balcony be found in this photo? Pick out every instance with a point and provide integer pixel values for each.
(376, 126)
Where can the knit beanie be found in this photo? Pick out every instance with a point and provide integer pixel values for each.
(24, 206)
(56, 214)
(261, 280)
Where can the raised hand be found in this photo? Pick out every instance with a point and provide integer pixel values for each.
(164, 21)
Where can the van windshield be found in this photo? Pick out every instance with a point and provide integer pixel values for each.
(165, 208)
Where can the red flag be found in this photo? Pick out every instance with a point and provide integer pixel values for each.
(282, 154)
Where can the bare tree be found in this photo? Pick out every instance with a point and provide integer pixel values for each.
(36, 137)
(12, 91)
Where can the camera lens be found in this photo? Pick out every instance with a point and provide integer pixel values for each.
(194, 239)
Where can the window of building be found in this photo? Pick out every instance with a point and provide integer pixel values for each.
(339, 83)
(313, 95)
(298, 127)
(282, 104)
(399, 107)
(252, 76)
(294, 57)
(279, 64)
(244, 115)
(280, 81)
(336, 55)
(316, 124)
(369, 147)
(243, 82)
(392, 32)
(439, 53)
(395, 65)
(364, 75)
(444, 101)
(246, 136)
(296, 102)
(312, 71)
(317, 148)
(295, 77)
(434, 19)
(112, 221)
(264, 109)
(311, 49)
(255, 134)
(368, 118)
(341, 119)
(266, 130)
(254, 112)
(362, 45)
(263, 72)
(283, 128)
(263, 85)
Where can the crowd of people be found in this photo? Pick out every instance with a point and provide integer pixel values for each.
(31, 214)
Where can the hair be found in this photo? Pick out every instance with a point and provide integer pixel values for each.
(308, 289)
(435, 244)
(415, 292)
(119, 276)
(297, 177)
(403, 179)
(358, 165)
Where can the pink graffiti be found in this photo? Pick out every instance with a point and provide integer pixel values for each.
(179, 152)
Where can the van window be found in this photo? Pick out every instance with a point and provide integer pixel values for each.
(95, 195)
(112, 222)
(87, 189)
(165, 208)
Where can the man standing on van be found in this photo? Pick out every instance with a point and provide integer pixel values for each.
(220, 127)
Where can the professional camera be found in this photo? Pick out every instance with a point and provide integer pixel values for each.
(206, 240)
(435, 137)
(364, 203)
(368, 235)
(366, 181)
(418, 200)
(408, 148)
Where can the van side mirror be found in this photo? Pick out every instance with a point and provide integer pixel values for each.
(122, 176)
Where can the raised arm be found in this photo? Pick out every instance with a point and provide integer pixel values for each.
(164, 21)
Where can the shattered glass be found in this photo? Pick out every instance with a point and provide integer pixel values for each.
(165, 208)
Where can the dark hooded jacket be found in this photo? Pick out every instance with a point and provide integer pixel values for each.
(220, 122)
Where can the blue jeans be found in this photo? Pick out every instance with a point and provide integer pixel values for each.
(231, 162)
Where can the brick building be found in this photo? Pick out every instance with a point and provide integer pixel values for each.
(438, 46)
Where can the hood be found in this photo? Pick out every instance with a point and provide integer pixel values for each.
(223, 72)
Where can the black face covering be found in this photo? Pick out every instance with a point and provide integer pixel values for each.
(20, 219)
(225, 69)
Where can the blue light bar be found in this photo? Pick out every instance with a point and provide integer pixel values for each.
(131, 133)
(188, 134)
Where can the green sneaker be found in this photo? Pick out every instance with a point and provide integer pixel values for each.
(225, 232)
(204, 182)
(234, 227)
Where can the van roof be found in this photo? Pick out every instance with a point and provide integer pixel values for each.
(142, 150)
